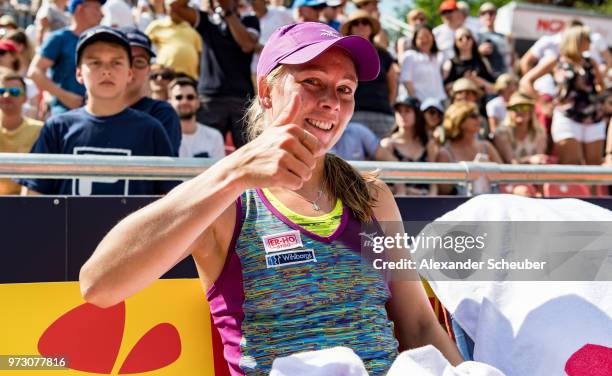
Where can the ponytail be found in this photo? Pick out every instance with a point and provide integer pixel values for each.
(355, 189)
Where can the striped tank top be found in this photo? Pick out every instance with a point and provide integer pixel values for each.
(284, 289)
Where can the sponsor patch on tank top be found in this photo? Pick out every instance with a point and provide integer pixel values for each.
(298, 256)
(282, 241)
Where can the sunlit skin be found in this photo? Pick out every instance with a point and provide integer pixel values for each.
(326, 88)
(362, 28)
(137, 88)
(91, 13)
(104, 70)
(465, 96)
(10, 105)
(424, 41)
(405, 118)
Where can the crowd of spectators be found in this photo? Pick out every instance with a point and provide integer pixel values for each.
(454, 92)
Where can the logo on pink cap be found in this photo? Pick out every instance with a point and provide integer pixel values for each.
(302, 42)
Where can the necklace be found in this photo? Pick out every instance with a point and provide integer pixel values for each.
(315, 203)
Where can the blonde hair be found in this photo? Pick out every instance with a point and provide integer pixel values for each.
(571, 41)
(454, 116)
(340, 180)
(533, 128)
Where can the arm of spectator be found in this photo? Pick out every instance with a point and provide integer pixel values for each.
(38, 73)
(502, 143)
(599, 81)
(608, 158)
(607, 56)
(399, 46)
(493, 153)
(527, 62)
(486, 85)
(443, 157)
(182, 10)
(485, 49)
(392, 78)
(383, 154)
(526, 83)
(492, 123)
(41, 30)
(446, 68)
(25, 191)
(245, 37)
(407, 73)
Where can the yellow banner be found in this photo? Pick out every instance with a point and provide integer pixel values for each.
(163, 330)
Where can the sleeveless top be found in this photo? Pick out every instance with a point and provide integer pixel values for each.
(461, 189)
(422, 158)
(577, 94)
(298, 291)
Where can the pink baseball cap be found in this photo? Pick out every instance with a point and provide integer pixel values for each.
(302, 42)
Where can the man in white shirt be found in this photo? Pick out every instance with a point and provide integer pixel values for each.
(117, 13)
(199, 141)
(452, 19)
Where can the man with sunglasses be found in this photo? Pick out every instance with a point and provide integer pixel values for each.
(138, 89)
(199, 140)
(17, 133)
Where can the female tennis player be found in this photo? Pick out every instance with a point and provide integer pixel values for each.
(274, 228)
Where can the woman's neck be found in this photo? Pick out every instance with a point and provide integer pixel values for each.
(520, 131)
(466, 140)
(407, 134)
(465, 55)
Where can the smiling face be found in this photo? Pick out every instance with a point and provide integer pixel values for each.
(105, 70)
(424, 40)
(326, 86)
(9, 102)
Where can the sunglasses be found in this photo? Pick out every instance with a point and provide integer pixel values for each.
(433, 111)
(361, 22)
(473, 115)
(489, 12)
(464, 37)
(446, 12)
(189, 97)
(13, 91)
(4, 52)
(163, 76)
(520, 108)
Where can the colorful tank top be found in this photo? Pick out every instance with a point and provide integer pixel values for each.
(284, 289)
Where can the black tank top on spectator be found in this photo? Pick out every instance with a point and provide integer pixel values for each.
(225, 70)
(577, 95)
(402, 158)
(459, 67)
(374, 95)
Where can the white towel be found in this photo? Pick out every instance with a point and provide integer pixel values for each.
(337, 361)
(429, 361)
(529, 328)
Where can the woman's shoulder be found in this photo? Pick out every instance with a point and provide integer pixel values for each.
(386, 208)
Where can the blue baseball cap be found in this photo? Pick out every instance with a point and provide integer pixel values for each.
(309, 3)
(72, 4)
(137, 38)
(102, 34)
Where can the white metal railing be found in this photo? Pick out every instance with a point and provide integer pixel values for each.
(57, 166)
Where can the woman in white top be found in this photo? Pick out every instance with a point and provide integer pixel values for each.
(421, 67)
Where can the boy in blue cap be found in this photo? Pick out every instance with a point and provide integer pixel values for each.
(104, 126)
(136, 95)
(57, 56)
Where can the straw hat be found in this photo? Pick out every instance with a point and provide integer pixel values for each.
(518, 98)
(360, 15)
(465, 84)
(503, 81)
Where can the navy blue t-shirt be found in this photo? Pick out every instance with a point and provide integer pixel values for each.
(225, 70)
(127, 133)
(166, 115)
